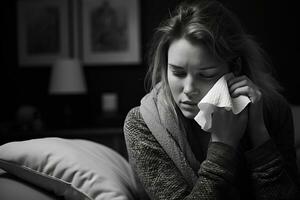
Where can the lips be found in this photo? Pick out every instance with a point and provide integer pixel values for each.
(188, 106)
(191, 103)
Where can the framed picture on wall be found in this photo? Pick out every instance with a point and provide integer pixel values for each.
(111, 32)
(42, 31)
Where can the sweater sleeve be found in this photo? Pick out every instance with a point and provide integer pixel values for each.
(273, 164)
(159, 175)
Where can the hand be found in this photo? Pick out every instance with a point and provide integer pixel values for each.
(256, 128)
(227, 127)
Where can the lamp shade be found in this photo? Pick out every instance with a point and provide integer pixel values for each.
(67, 77)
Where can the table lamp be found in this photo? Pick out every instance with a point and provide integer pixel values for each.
(67, 77)
(67, 83)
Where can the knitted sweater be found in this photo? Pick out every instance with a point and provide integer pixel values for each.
(266, 172)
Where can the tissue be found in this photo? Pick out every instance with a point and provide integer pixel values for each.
(219, 96)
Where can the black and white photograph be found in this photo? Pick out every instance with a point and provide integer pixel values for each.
(43, 31)
(149, 100)
(110, 32)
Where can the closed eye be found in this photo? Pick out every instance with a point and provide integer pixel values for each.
(177, 71)
(208, 76)
(210, 73)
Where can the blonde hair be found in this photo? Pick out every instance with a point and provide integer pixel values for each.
(209, 22)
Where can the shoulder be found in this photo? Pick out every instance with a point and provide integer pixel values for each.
(277, 106)
(133, 114)
(134, 118)
(135, 126)
(278, 115)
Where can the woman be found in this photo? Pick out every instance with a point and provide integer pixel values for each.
(245, 156)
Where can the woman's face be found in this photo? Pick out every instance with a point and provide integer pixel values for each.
(192, 71)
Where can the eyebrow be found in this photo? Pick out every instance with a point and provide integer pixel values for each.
(204, 68)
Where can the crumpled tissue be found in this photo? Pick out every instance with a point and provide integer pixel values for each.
(219, 96)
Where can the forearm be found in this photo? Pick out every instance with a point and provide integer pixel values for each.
(162, 180)
(217, 174)
(270, 178)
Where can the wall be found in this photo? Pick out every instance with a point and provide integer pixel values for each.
(274, 26)
(29, 85)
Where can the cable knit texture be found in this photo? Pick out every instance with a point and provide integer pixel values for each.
(266, 172)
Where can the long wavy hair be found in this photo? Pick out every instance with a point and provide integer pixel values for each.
(210, 23)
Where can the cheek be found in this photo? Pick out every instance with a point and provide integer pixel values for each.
(175, 86)
(205, 87)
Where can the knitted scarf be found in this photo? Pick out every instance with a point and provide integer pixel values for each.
(163, 124)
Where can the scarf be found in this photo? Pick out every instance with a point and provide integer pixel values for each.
(163, 124)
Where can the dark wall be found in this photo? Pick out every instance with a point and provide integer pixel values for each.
(272, 22)
(29, 85)
(275, 26)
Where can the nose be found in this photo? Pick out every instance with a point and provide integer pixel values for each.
(190, 86)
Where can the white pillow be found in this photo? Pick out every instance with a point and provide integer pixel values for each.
(75, 169)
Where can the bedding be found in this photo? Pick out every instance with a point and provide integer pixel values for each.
(70, 168)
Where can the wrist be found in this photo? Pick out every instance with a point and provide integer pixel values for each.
(230, 142)
(223, 155)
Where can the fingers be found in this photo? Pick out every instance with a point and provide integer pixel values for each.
(234, 80)
(253, 95)
(237, 85)
(242, 85)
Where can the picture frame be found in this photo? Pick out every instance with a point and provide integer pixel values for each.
(43, 31)
(110, 32)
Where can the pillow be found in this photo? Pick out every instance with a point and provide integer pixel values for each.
(73, 168)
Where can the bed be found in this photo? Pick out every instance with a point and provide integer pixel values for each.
(57, 168)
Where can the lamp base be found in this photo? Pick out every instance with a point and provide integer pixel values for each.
(68, 111)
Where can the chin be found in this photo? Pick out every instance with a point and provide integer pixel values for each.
(189, 115)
